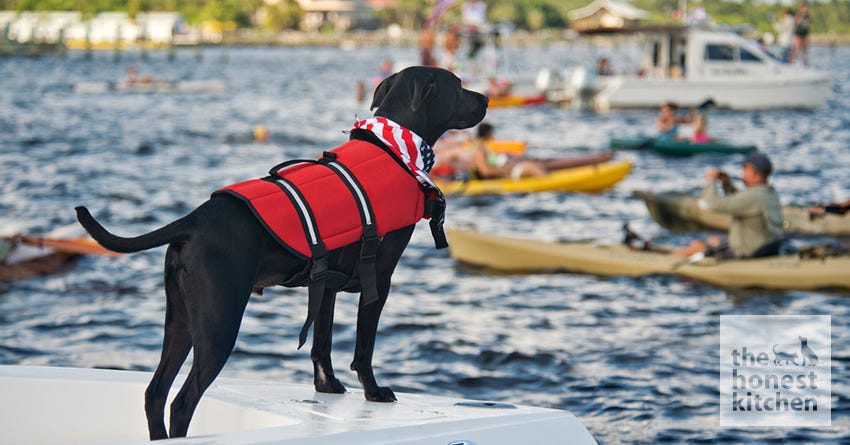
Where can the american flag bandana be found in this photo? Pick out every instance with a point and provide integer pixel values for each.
(416, 154)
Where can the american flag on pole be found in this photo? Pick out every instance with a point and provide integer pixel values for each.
(439, 8)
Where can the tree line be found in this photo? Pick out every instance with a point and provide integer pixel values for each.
(827, 16)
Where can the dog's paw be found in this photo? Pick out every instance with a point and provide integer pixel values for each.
(383, 394)
(330, 386)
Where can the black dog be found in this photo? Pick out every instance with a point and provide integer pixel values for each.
(219, 253)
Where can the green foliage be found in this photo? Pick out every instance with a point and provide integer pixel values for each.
(286, 14)
(827, 15)
(238, 11)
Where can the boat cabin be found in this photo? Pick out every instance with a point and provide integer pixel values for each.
(704, 55)
(694, 66)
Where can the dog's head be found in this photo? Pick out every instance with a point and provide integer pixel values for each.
(428, 101)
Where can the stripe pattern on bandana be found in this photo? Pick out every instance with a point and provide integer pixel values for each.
(416, 154)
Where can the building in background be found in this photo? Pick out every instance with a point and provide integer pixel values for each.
(606, 15)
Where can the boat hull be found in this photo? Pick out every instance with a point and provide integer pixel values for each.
(518, 255)
(739, 94)
(678, 147)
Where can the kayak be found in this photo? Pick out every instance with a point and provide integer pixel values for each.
(29, 261)
(25, 256)
(678, 147)
(516, 101)
(186, 86)
(588, 179)
(510, 254)
(680, 212)
(501, 146)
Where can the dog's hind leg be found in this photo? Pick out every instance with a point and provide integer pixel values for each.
(176, 344)
(324, 378)
(216, 306)
(368, 315)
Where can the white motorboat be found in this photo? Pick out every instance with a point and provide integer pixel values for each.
(692, 66)
(46, 405)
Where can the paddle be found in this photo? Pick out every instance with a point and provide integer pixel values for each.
(706, 105)
(80, 246)
(694, 258)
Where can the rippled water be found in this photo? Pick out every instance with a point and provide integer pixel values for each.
(635, 359)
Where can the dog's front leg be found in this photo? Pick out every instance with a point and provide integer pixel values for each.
(324, 378)
(369, 314)
(367, 327)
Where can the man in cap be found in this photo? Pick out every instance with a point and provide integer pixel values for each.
(756, 212)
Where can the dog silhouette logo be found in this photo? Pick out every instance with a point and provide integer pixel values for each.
(781, 358)
(809, 356)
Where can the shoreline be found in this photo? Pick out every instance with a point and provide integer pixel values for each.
(354, 39)
(411, 38)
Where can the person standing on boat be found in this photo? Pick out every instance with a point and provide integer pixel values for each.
(785, 35)
(802, 25)
(756, 229)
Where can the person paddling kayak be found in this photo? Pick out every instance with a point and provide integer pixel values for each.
(756, 213)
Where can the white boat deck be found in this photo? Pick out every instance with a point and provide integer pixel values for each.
(43, 405)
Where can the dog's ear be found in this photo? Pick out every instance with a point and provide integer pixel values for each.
(381, 91)
(422, 91)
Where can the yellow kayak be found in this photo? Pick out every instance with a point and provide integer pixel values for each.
(515, 255)
(515, 101)
(501, 146)
(587, 179)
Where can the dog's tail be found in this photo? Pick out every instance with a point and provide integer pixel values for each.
(159, 237)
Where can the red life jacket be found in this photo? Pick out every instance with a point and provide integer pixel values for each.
(395, 196)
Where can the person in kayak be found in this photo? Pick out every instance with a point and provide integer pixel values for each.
(756, 213)
(700, 135)
(668, 121)
(489, 165)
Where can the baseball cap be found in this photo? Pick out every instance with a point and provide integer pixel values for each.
(760, 162)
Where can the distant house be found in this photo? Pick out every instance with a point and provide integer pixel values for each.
(37, 26)
(341, 14)
(103, 30)
(606, 15)
(105, 27)
(159, 27)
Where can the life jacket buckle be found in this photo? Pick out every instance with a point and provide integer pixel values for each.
(319, 269)
(369, 249)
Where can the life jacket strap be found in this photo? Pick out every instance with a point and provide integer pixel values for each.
(319, 268)
(369, 240)
(435, 208)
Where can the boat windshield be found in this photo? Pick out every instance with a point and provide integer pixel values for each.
(727, 52)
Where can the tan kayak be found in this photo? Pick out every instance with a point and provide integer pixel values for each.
(521, 255)
(25, 256)
(680, 212)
